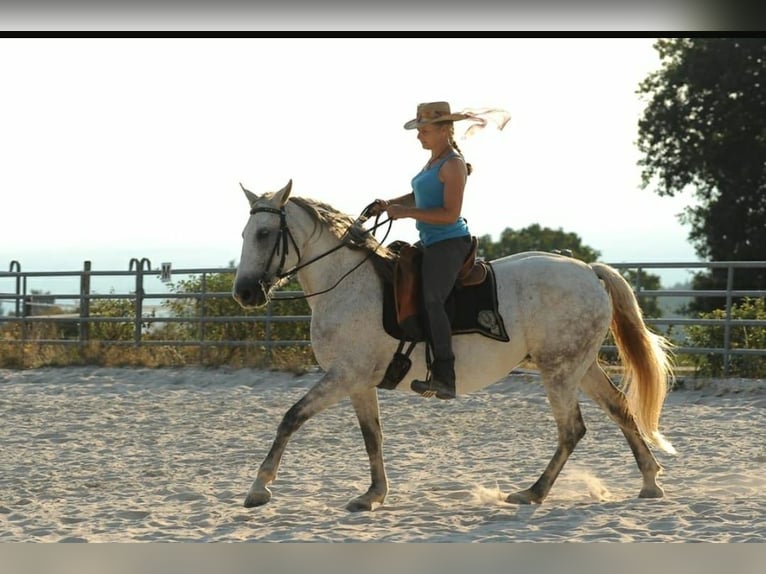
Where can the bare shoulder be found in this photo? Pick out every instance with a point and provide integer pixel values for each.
(453, 167)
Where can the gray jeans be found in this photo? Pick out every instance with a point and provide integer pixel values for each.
(441, 264)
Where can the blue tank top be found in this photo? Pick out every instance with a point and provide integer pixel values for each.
(429, 193)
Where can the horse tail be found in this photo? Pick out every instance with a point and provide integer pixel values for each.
(647, 363)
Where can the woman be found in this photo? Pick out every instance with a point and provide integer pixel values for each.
(435, 204)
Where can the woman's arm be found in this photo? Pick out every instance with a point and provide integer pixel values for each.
(453, 174)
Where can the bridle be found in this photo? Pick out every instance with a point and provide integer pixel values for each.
(282, 238)
(285, 237)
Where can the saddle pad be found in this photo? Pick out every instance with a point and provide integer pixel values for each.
(470, 310)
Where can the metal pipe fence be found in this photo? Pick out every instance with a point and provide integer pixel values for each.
(727, 350)
(146, 300)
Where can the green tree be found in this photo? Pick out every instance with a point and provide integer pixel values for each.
(704, 130)
(535, 238)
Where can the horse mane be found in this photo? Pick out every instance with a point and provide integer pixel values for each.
(343, 227)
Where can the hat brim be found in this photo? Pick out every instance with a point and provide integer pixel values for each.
(412, 124)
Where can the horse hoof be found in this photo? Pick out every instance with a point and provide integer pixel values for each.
(257, 498)
(358, 505)
(364, 503)
(522, 497)
(651, 492)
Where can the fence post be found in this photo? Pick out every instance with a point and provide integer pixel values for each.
(139, 309)
(202, 312)
(84, 302)
(21, 302)
(267, 331)
(727, 325)
(15, 267)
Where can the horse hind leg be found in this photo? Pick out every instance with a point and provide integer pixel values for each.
(562, 396)
(598, 386)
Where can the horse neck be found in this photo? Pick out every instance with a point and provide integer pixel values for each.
(327, 269)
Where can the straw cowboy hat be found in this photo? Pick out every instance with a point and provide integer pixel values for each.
(434, 112)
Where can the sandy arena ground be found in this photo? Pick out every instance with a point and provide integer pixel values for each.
(121, 455)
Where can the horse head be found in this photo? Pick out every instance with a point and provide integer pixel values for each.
(264, 248)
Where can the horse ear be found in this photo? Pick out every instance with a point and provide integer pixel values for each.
(251, 197)
(283, 194)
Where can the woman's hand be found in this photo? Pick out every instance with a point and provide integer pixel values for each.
(378, 206)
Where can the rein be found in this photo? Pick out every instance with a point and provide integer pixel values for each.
(285, 234)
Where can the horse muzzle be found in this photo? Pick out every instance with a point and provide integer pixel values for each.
(251, 293)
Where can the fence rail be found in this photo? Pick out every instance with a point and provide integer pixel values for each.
(145, 287)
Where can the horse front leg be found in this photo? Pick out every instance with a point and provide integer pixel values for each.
(325, 393)
(259, 492)
(367, 411)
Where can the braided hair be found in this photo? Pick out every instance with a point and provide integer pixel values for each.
(453, 143)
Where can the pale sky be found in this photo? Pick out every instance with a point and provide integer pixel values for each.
(120, 148)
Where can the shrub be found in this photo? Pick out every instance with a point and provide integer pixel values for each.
(740, 337)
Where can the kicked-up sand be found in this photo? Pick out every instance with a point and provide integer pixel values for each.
(93, 454)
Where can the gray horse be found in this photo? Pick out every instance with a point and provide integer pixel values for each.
(557, 311)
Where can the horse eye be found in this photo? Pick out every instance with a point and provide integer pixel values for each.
(262, 233)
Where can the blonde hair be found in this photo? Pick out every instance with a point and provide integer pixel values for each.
(453, 143)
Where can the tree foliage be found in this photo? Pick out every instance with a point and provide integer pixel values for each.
(704, 130)
(112, 308)
(215, 300)
(643, 281)
(535, 238)
(740, 337)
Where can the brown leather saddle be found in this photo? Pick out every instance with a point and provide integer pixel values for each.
(407, 287)
(471, 306)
